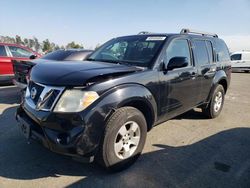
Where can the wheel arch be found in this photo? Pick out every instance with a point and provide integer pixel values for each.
(219, 78)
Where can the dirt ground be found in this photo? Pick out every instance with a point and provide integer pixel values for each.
(188, 151)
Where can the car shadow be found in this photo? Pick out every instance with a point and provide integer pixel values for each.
(221, 160)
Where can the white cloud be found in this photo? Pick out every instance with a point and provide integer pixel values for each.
(237, 42)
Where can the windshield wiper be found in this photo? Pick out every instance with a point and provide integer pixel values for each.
(121, 62)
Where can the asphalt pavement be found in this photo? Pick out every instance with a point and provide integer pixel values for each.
(188, 151)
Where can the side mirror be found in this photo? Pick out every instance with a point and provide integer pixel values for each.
(177, 62)
(33, 56)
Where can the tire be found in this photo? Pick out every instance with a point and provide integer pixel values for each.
(247, 71)
(108, 156)
(212, 111)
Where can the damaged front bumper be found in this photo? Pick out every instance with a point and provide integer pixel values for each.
(67, 134)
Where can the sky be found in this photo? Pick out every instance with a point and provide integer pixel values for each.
(93, 22)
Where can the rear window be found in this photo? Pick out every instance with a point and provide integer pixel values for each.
(236, 57)
(2, 51)
(58, 55)
(222, 51)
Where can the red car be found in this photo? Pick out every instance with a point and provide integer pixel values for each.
(9, 52)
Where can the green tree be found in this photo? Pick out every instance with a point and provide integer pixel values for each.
(57, 47)
(31, 43)
(26, 42)
(19, 39)
(73, 45)
(37, 45)
(47, 46)
(97, 46)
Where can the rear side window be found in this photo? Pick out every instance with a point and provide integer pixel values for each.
(2, 51)
(222, 51)
(210, 51)
(178, 48)
(236, 57)
(201, 52)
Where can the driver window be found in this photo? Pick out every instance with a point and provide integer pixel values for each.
(178, 48)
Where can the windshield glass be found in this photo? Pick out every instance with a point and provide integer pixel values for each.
(134, 50)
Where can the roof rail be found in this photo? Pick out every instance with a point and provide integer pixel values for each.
(143, 33)
(188, 31)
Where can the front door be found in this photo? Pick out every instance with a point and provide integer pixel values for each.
(179, 86)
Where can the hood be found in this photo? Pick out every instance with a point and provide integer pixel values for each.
(77, 73)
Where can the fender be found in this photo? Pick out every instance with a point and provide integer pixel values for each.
(220, 75)
(96, 115)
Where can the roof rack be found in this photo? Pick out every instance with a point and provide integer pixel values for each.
(188, 31)
(143, 33)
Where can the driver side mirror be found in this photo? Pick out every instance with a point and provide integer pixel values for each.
(33, 56)
(177, 62)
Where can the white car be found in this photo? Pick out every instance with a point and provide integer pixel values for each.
(241, 61)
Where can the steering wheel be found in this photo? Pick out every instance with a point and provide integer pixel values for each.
(110, 56)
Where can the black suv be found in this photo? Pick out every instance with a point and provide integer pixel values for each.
(102, 109)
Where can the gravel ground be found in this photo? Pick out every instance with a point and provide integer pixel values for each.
(188, 151)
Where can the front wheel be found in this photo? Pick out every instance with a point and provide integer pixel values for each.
(216, 103)
(124, 139)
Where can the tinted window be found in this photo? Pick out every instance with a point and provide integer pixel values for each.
(222, 51)
(210, 51)
(58, 55)
(19, 52)
(135, 50)
(236, 57)
(201, 52)
(178, 48)
(2, 51)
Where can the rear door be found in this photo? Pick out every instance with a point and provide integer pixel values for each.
(205, 62)
(5, 62)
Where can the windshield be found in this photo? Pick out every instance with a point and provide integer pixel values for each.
(133, 50)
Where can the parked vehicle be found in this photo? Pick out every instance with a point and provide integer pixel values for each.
(103, 108)
(241, 61)
(9, 52)
(22, 68)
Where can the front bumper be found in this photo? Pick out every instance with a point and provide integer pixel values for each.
(66, 134)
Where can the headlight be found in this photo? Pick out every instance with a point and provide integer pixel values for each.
(75, 100)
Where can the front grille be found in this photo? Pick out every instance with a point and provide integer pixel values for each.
(44, 98)
(52, 99)
(39, 90)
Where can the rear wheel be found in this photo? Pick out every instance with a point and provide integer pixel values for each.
(247, 71)
(124, 139)
(216, 103)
